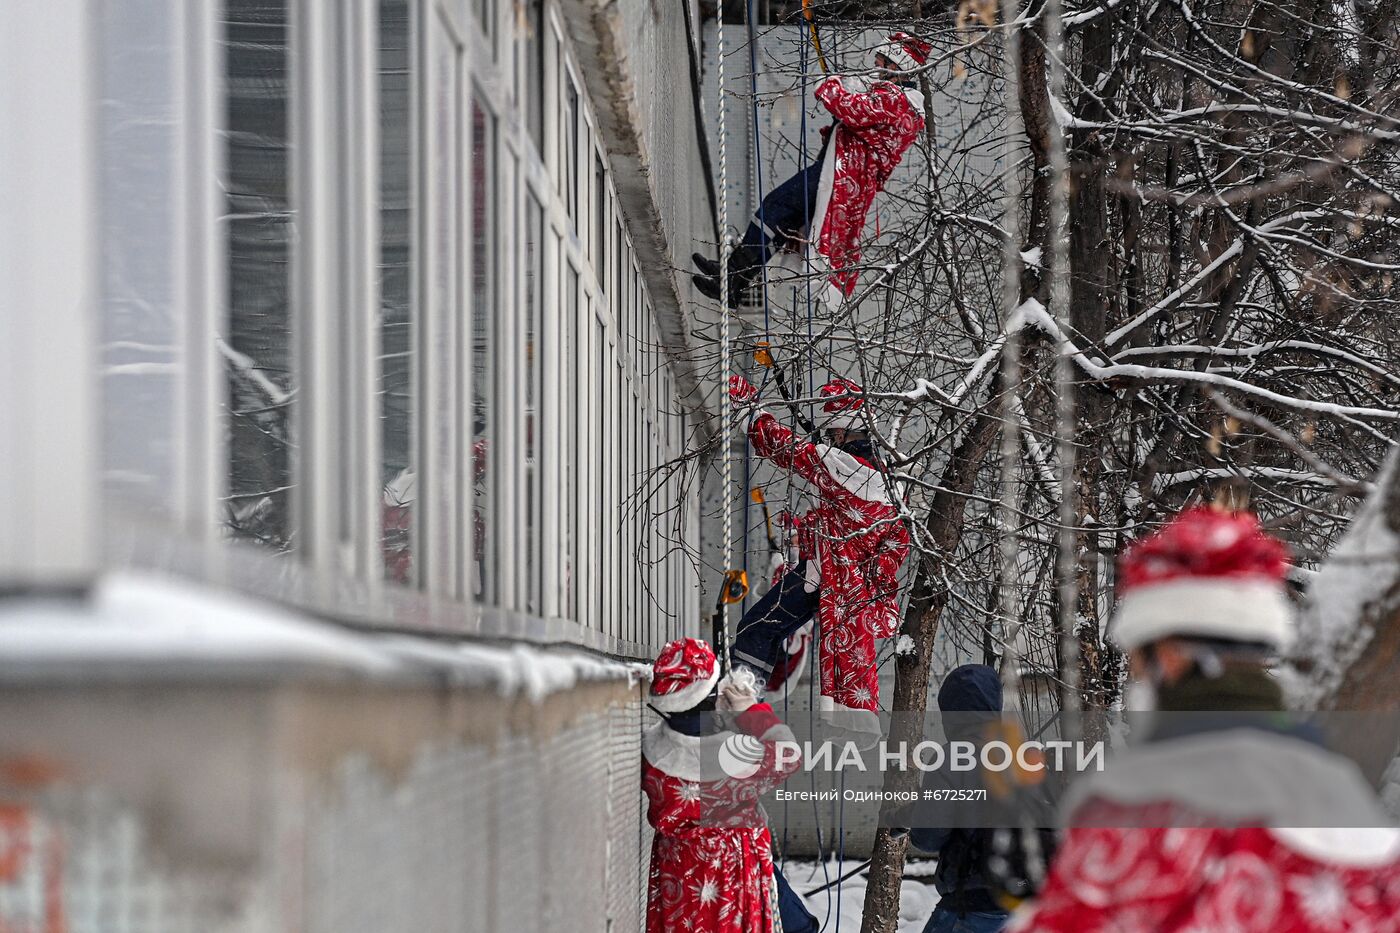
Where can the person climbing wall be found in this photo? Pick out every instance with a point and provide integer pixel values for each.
(877, 120)
(854, 543)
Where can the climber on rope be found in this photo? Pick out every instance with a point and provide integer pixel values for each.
(851, 547)
(877, 120)
(704, 767)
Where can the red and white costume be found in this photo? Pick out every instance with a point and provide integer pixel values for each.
(876, 122)
(857, 541)
(1216, 830)
(1248, 873)
(712, 855)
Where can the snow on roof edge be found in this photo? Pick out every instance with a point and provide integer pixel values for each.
(139, 627)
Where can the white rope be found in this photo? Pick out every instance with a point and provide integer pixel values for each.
(726, 416)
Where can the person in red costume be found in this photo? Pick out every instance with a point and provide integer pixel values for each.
(852, 545)
(704, 767)
(1221, 823)
(876, 121)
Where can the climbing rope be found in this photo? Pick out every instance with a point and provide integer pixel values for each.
(726, 418)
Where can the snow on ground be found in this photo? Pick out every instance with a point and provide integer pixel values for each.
(839, 907)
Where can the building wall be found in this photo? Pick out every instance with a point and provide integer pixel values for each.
(375, 307)
(321, 807)
(382, 335)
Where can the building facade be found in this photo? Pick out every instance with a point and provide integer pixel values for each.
(347, 357)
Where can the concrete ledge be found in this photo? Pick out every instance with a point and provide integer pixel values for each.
(140, 628)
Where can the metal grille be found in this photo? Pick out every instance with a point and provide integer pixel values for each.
(538, 829)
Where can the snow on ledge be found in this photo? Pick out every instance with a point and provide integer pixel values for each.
(138, 627)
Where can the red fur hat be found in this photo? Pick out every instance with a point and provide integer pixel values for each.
(843, 406)
(685, 672)
(1205, 573)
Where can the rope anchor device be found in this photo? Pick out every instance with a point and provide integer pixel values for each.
(733, 590)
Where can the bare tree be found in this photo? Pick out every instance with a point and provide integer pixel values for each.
(1231, 262)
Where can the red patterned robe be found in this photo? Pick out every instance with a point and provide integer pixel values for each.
(860, 544)
(876, 122)
(712, 856)
(1228, 866)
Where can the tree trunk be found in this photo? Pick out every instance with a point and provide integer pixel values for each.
(944, 525)
(1353, 611)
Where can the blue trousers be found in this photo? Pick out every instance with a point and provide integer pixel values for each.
(786, 210)
(791, 908)
(785, 608)
(974, 921)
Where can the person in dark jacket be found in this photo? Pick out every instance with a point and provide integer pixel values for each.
(967, 900)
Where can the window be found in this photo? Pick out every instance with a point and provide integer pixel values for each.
(445, 475)
(569, 472)
(601, 556)
(396, 325)
(600, 218)
(534, 406)
(569, 152)
(261, 229)
(485, 11)
(534, 72)
(484, 348)
(619, 288)
(145, 304)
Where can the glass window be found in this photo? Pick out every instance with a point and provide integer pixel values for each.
(568, 155)
(600, 573)
(261, 229)
(396, 322)
(485, 11)
(616, 429)
(534, 71)
(143, 357)
(619, 281)
(534, 406)
(483, 219)
(600, 219)
(573, 486)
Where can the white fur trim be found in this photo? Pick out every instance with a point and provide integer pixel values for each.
(845, 420)
(686, 697)
(688, 757)
(1234, 609)
(1378, 845)
(855, 477)
(860, 726)
(825, 185)
(811, 580)
(697, 757)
